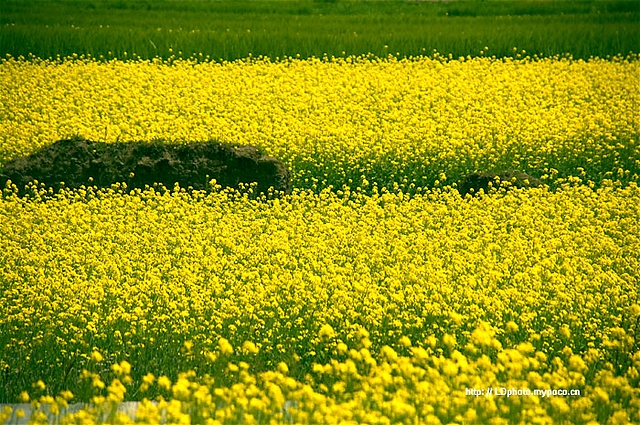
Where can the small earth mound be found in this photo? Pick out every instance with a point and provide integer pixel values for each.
(487, 181)
(78, 162)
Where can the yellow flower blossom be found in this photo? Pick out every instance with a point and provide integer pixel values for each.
(96, 356)
(225, 347)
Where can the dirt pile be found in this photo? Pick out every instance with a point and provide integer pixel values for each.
(78, 162)
(487, 181)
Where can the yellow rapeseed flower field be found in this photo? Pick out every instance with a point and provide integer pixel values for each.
(355, 121)
(341, 302)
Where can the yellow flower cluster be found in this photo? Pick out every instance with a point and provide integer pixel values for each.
(321, 308)
(424, 121)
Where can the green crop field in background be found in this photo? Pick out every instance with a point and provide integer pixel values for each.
(232, 30)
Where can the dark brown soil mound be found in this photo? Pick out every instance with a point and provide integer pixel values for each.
(78, 162)
(487, 181)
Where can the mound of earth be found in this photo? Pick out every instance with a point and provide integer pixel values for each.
(486, 181)
(78, 162)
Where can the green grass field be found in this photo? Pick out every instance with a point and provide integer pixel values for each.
(232, 30)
